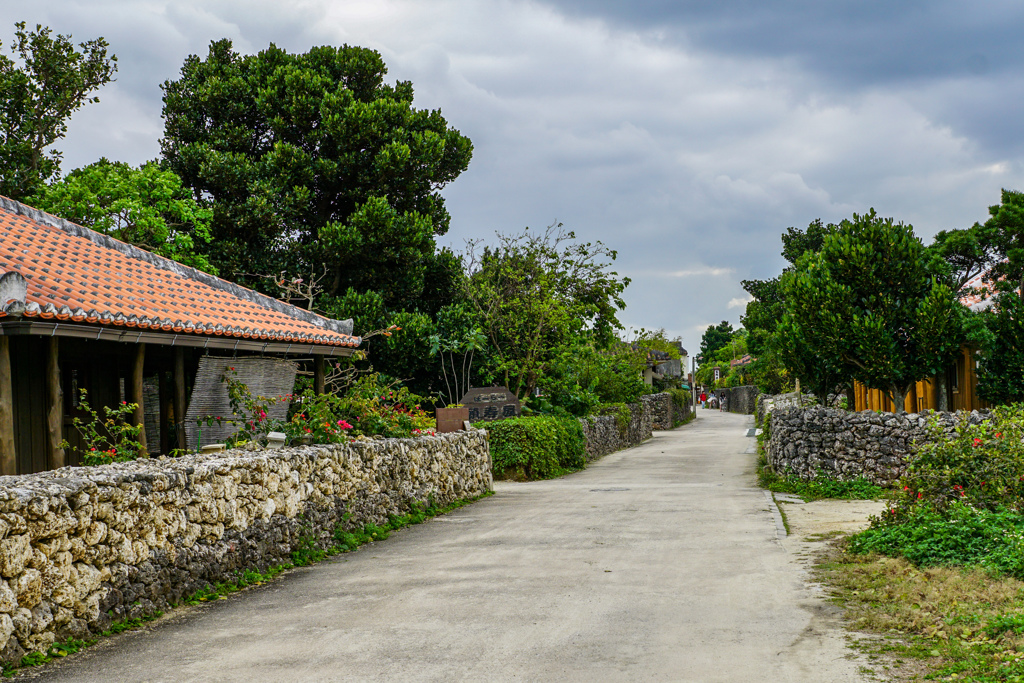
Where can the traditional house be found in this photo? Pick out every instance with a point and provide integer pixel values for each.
(81, 310)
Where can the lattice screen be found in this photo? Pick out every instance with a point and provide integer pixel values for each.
(269, 377)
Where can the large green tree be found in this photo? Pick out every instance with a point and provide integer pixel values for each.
(1001, 366)
(146, 206)
(48, 80)
(714, 338)
(536, 294)
(310, 161)
(1004, 233)
(872, 303)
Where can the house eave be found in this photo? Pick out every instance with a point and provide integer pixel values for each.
(44, 328)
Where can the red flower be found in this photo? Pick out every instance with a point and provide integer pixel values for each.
(977, 442)
(919, 495)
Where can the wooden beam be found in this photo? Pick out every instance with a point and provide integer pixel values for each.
(139, 416)
(55, 412)
(318, 375)
(179, 397)
(8, 456)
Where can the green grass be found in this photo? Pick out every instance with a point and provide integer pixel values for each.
(820, 487)
(306, 554)
(930, 623)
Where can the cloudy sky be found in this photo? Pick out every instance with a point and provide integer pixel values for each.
(685, 134)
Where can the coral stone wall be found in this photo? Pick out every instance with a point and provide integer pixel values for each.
(78, 545)
(849, 444)
(604, 436)
(661, 409)
(741, 400)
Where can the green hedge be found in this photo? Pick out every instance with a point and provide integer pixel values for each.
(536, 447)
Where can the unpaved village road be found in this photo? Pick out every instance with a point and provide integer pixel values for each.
(659, 563)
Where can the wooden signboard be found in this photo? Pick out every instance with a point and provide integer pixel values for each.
(491, 403)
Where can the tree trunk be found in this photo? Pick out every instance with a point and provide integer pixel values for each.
(851, 398)
(943, 394)
(899, 400)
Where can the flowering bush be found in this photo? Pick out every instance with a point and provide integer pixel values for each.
(373, 406)
(316, 418)
(112, 438)
(370, 407)
(980, 465)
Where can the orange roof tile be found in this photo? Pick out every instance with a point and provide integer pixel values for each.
(76, 274)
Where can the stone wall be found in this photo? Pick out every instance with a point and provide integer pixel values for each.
(847, 444)
(131, 538)
(661, 409)
(742, 400)
(766, 403)
(604, 436)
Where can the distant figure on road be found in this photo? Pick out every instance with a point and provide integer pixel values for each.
(703, 399)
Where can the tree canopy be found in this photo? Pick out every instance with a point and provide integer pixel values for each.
(872, 305)
(48, 80)
(537, 293)
(145, 206)
(310, 161)
(714, 338)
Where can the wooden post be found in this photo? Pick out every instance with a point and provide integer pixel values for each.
(55, 413)
(8, 455)
(318, 375)
(179, 396)
(139, 416)
(164, 411)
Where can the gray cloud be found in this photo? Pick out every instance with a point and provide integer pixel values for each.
(687, 136)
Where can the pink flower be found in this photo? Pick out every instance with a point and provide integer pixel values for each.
(263, 415)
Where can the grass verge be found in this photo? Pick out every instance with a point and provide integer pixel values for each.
(306, 554)
(820, 487)
(937, 623)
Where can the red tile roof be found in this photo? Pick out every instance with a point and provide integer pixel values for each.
(75, 274)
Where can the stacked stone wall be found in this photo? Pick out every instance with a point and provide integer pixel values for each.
(603, 434)
(766, 403)
(661, 408)
(742, 400)
(846, 444)
(82, 546)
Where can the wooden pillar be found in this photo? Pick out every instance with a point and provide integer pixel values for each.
(8, 456)
(179, 397)
(55, 412)
(318, 375)
(139, 416)
(164, 412)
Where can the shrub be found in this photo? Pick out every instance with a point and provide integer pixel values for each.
(961, 501)
(372, 406)
(536, 447)
(959, 536)
(111, 438)
(978, 464)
